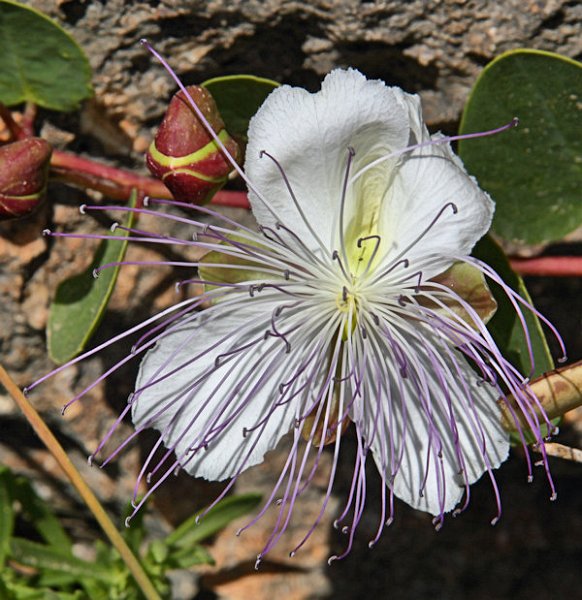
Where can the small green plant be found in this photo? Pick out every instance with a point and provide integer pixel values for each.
(37, 558)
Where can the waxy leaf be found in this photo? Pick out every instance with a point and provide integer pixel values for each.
(505, 325)
(533, 172)
(238, 98)
(40, 61)
(80, 301)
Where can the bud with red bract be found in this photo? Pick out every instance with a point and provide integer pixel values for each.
(183, 154)
(24, 169)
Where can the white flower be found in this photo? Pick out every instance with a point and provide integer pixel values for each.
(357, 302)
(338, 320)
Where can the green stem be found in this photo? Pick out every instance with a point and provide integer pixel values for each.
(49, 440)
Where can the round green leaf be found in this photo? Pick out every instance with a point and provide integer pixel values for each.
(533, 172)
(238, 98)
(41, 62)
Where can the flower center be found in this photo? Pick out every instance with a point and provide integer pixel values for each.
(347, 301)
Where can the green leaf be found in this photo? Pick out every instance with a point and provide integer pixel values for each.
(41, 62)
(80, 301)
(190, 532)
(238, 98)
(6, 515)
(190, 557)
(505, 326)
(533, 172)
(47, 558)
(40, 515)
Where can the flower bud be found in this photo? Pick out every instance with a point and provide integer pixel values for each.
(184, 155)
(23, 176)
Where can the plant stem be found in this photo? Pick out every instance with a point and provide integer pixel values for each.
(548, 266)
(49, 440)
(558, 392)
(14, 129)
(114, 183)
(118, 183)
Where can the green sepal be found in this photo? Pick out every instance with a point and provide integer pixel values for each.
(470, 285)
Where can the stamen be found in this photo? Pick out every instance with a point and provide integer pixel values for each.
(434, 221)
(435, 142)
(294, 199)
(335, 256)
(351, 154)
(377, 240)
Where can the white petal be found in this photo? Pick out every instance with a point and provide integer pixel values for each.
(427, 181)
(309, 135)
(186, 412)
(471, 440)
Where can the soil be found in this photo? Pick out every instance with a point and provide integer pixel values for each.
(434, 48)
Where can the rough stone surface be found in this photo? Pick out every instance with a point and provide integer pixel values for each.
(435, 48)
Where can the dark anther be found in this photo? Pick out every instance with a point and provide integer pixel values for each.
(344, 294)
(369, 237)
(286, 274)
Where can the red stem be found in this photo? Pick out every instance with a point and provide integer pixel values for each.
(231, 198)
(113, 182)
(15, 130)
(118, 183)
(548, 266)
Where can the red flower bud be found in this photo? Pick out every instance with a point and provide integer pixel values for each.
(23, 176)
(184, 156)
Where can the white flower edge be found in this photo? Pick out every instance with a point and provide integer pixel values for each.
(309, 135)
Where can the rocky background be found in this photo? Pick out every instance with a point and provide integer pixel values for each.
(435, 48)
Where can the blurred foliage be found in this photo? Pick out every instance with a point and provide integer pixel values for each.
(37, 559)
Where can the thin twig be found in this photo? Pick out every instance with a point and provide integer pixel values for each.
(565, 452)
